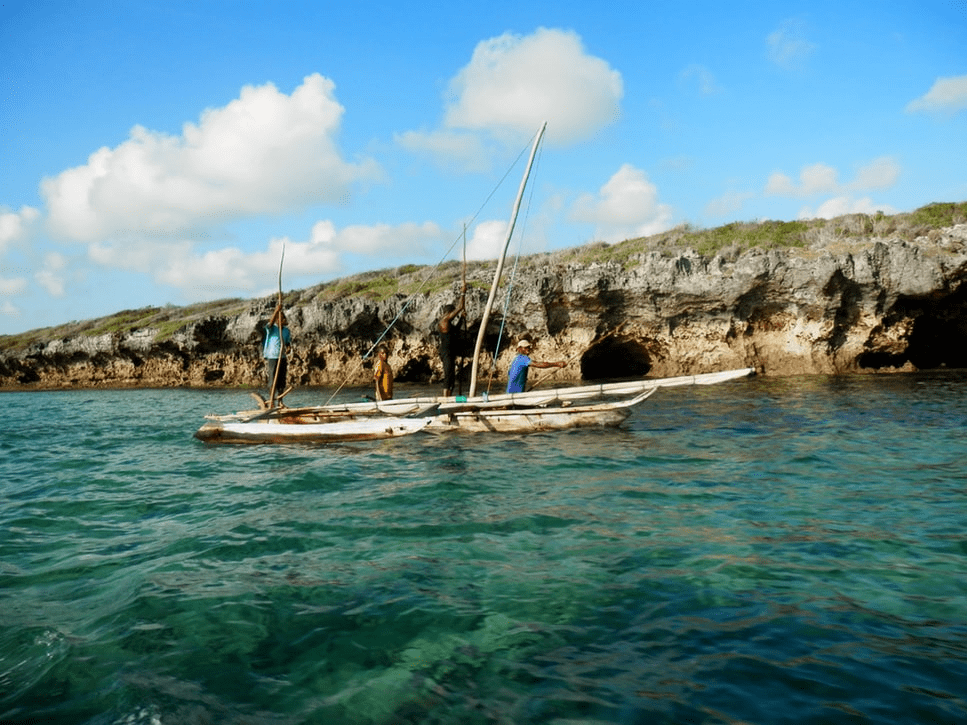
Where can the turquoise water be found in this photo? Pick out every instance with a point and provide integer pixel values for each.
(764, 551)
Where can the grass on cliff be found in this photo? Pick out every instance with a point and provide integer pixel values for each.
(730, 240)
(408, 280)
(165, 321)
(737, 237)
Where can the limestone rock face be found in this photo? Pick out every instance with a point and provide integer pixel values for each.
(883, 305)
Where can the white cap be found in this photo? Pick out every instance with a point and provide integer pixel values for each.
(524, 343)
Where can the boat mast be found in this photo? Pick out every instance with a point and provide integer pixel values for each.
(278, 363)
(500, 266)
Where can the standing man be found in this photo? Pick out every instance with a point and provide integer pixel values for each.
(277, 339)
(517, 374)
(447, 354)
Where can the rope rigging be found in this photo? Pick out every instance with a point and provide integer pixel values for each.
(510, 283)
(431, 273)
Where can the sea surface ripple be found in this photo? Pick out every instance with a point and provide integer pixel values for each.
(764, 551)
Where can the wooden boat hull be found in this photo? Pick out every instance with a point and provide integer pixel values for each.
(292, 431)
(511, 419)
(538, 410)
(528, 420)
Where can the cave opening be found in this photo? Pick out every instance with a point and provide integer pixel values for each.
(415, 370)
(613, 359)
(938, 338)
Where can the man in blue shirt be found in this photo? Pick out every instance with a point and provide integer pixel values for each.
(274, 352)
(517, 374)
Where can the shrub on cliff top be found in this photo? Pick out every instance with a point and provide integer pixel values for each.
(410, 279)
(740, 236)
(166, 320)
(933, 216)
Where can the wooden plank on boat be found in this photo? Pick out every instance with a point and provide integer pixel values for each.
(511, 419)
(400, 407)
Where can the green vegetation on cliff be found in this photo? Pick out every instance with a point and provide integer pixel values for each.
(165, 320)
(849, 231)
(853, 230)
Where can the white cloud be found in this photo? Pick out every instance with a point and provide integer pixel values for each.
(626, 207)
(813, 179)
(946, 95)
(15, 225)
(378, 239)
(817, 179)
(880, 173)
(264, 152)
(51, 275)
(514, 83)
(230, 270)
(728, 203)
(702, 77)
(787, 46)
(14, 228)
(780, 185)
(841, 205)
(487, 240)
(219, 272)
(455, 149)
(12, 286)
(821, 178)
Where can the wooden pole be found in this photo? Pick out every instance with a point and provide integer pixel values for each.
(500, 266)
(278, 364)
(458, 361)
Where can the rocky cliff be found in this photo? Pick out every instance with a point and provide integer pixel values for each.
(870, 305)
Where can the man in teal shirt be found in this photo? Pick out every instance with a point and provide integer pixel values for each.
(274, 352)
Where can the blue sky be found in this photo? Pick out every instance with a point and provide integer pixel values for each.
(158, 153)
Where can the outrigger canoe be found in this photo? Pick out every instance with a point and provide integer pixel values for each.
(600, 406)
(605, 405)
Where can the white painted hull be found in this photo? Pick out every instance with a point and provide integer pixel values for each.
(289, 431)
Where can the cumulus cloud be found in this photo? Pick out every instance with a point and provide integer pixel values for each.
(728, 203)
(840, 205)
(487, 240)
(821, 178)
(787, 46)
(217, 272)
(264, 152)
(230, 270)
(703, 79)
(15, 225)
(779, 184)
(51, 275)
(626, 207)
(947, 95)
(880, 173)
(378, 238)
(813, 179)
(12, 286)
(456, 149)
(513, 84)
